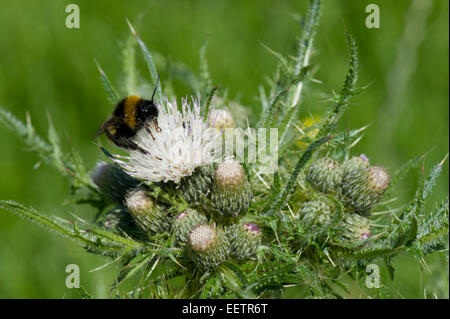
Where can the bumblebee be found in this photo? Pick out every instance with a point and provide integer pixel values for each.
(130, 115)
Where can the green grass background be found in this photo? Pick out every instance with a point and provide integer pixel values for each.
(47, 68)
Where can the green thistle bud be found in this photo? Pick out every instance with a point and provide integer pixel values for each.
(353, 229)
(231, 193)
(193, 187)
(324, 175)
(149, 216)
(220, 119)
(185, 222)
(316, 213)
(355, 163)
(244, 239)
(112, 182)
(362, 188)
(208, 246)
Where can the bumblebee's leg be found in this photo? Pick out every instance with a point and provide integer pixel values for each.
(150, 131)
(158, 129)
(126, 143)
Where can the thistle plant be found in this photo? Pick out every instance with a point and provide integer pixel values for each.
(185, 222)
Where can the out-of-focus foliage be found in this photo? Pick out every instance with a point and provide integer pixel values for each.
(47, 68)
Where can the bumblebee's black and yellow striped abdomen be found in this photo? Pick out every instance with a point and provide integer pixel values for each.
(128, 118)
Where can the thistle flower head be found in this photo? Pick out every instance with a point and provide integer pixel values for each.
(202, 237)
(364, 158)
(184, 223)
(182, 143)
(316, 213)
(324, 175)
(231, 192)
(244, 239)
(229, 174)
(208, 246)
(253, 228)
(220, 119)
(138, 200)
(354, 229)
(149, 216)
(363, 187)
(378, 178)
(355, 163)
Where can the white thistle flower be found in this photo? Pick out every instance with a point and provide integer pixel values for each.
(183, 143)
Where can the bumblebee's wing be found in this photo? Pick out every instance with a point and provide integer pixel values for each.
(111, 122)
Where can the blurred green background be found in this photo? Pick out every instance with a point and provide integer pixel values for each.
(47, 68)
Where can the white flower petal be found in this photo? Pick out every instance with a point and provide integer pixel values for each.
(184, 143)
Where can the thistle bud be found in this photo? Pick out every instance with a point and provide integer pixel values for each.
(220, 119)
(112, 182)
(231, 193)
(315, 213)
(324, 175)
(199, 184)
(353, 229)
(355, 163)
(244, 239)
(364, 187)
(149, 216)
(208, 246)
(185, 222)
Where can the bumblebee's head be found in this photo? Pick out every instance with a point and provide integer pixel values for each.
(147, 109)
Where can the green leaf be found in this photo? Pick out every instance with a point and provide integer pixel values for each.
(109, 88)
(307, 37)
(283, 61)
(149, 61)
(129, 65)
(402, 171)
(56, 148)
(93, 239)
(84, 293)
(434, 229)
(205, 78)
(431, 180)
(208, 101)
(281, 200)
(26, 132)
(347, 92)
(409, 235)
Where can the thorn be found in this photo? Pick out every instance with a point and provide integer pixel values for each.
(443, 161)
(99, 68)
(131, 28)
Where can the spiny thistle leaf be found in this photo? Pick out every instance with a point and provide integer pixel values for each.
(434, 229)
(347, 92)
(25, 132)
(93, 239)
(149, 61)
(281, 200)
(109, 88)
(69, 165)
(307, 37)
(205, 78)
(129, 65)
(402, 171)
